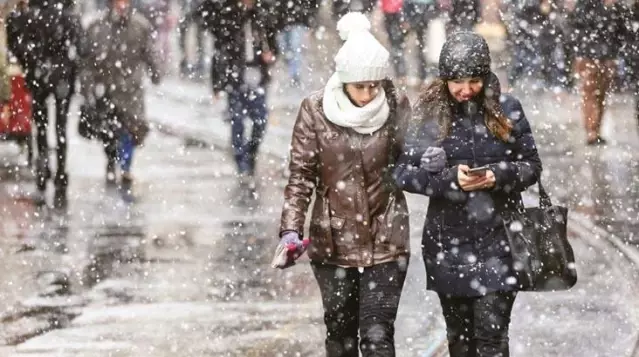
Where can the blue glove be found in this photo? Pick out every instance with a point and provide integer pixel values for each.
(434, 159)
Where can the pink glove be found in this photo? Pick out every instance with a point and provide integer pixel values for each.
(289, 250)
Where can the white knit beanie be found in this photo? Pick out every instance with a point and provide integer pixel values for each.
(362, 58)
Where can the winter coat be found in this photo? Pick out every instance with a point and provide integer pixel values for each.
(118, 54)
(630, 52)
(464, 243)
(48, 54)
(359, 217)
(5, 80)
(226, 21)
(296, 12)
(599, 31)
(419, 13)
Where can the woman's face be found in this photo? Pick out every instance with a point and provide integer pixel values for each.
(362, 93)
(464, 89)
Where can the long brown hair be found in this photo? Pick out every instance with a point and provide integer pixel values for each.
(435, 103)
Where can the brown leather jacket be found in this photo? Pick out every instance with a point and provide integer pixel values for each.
(360, 216)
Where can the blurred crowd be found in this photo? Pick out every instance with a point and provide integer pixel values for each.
(592, 43)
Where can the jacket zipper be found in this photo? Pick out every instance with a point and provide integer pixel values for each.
(472, 138)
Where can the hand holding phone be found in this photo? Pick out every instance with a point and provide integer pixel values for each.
(479, 178)
(478, 171)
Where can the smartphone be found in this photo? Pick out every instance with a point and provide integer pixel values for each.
(478, 171)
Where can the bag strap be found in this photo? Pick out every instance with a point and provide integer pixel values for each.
(544, 199)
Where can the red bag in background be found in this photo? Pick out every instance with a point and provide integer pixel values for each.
(392, 6)
(17, 122)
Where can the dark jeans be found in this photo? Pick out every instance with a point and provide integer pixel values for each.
(243, 103)
(478, 326)
(41, 120)
(363, 302)
(119, 147)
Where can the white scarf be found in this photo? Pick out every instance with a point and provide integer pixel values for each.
(341, 111)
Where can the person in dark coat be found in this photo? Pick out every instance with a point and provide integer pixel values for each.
(462, 15)
(464, 240)
(245, 40)
(49, 55)
(119, 54)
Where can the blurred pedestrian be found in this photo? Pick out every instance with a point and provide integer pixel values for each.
(188, 21)
(467, 260)
(528, 21)
(245, 42)
(631, 54)
(49, 56)
(395, 25)
(294, 20)
(600, 29)
(346, 140)
(119, 51)
(158, 13)
(419, 14)
(462, 14)
(6, 9)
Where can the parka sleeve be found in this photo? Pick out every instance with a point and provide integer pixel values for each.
(303, 171)
(408, 174)
(518, 175)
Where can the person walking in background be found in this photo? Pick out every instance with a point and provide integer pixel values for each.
(631, 54)
(526, 27)
(419, 14)
(119, 51)
(395, 25)
(244, 36)
(49, 56)
(294, 20)
(346, 140)
(462, 14)
(600, 29)
(467, 262)
(6, 10)
(187, 21)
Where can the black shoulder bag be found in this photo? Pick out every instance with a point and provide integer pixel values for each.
(539, 245)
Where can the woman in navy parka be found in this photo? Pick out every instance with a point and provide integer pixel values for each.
(464, 242)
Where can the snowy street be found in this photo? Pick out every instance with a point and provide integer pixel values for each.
(185, 270)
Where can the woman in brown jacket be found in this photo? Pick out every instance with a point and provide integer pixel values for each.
(345, 143)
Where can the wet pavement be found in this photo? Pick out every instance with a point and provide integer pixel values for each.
(184, 271)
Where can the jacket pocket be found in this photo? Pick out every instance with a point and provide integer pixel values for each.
(394, 226)
(320, 228)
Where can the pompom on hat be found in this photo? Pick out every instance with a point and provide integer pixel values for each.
(361, 58)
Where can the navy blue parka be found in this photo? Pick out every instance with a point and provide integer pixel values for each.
(464, 243)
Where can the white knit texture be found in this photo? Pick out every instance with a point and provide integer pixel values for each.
(361, 58)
